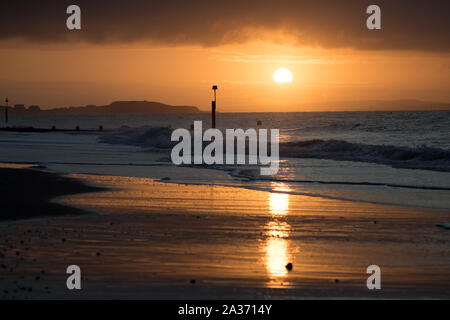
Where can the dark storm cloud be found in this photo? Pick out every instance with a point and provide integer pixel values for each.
(413, 24)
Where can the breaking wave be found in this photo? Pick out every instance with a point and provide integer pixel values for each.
(146, 137)
(423, 157)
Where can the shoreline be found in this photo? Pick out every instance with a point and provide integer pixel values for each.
(28, 193)
(172, 241)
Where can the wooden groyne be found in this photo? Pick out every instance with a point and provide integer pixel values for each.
(53, 129)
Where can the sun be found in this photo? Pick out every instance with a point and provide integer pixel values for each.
(282, 75)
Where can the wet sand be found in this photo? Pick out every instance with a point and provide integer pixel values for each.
(164, 240)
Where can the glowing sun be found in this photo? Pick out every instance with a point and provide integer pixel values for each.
(282, 75)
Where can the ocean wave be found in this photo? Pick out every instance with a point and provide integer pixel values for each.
(423, 157)
(330, 127)
(146, 137)
(253, 174)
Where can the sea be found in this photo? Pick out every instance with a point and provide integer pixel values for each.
(394, 158)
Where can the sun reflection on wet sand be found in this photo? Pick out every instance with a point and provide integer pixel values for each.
(276, 259)
(279, 203)
(155, 237)
(276, 246)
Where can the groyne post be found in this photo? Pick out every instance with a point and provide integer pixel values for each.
(6, 110)
(213, 108)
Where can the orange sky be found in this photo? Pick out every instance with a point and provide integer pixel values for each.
(99, 74)
(53, 72)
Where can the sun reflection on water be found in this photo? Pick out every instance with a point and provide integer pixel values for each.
(276, 246)
(279, 203)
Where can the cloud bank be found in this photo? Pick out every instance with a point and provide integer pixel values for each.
(406, 25)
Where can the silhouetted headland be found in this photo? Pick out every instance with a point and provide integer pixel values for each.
(118, 107)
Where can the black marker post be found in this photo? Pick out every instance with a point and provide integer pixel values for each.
(6, 111)
(213, 108)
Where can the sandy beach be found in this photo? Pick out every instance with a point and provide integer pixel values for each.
(143, 238)
(226, 151)
(38, 187)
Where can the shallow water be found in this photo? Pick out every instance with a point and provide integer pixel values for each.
(376, 157)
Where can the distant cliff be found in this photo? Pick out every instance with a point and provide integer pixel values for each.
(118, 107)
